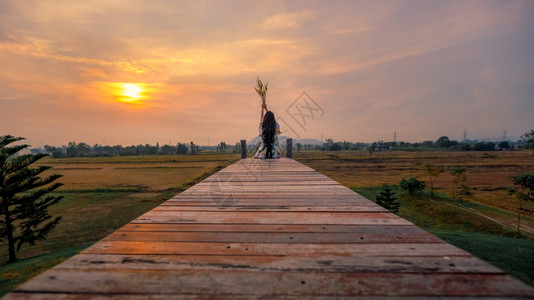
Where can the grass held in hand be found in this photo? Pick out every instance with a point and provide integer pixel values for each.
(261, 90)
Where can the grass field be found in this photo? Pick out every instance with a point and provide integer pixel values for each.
(100, 196)
(487, 175)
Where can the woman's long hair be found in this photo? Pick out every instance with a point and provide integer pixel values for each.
(268, 132)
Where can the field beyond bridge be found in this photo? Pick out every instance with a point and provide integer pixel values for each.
(488, 177)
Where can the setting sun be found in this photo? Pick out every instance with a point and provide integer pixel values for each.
(131, 92)
(134, 93)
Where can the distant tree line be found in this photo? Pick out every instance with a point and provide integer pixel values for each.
(442, 143)
(74, 149)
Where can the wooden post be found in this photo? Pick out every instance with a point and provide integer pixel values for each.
(243, 149)
(289, 148)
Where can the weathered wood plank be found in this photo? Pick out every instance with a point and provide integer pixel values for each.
(255, 206)
(259, 203)
(268, 237)
(356, 218)
(326, 263)
(255, 283)
(101, 296)
(368, 234)
(318, 198)
(273, 249)
(266, 198)
(389, 230)
(243, 207)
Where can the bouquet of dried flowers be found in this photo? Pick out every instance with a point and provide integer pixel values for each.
(262, 91)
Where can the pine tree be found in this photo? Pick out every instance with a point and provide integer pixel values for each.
(387, 199)
(23, 209)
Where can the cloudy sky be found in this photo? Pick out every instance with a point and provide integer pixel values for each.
(131, 72)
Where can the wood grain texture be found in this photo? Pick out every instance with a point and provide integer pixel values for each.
(271, 229)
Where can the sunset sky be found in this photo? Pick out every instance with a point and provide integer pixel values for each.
(136, 72)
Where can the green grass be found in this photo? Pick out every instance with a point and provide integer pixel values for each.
(16, 273)
(439, 213)
(513, 256)
(368, 192)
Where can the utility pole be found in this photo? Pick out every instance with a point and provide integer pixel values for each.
(465, 135)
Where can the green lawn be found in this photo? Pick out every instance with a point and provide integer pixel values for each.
(512, 255)
(15, 273)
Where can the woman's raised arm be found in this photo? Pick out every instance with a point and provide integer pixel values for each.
(263, 108)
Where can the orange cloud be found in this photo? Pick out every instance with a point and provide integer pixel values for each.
(39, 49)
(287, 20)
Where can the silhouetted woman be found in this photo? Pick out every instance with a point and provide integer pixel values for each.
(269, 131)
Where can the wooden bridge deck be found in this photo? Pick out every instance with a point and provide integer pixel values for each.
(266, 229)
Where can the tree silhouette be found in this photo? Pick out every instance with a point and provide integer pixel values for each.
(504, 145)
(443, 142)
(23, 202)
(195, 149)
(181, 148)
(221, 147)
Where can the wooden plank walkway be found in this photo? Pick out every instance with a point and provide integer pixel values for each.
(271, 229)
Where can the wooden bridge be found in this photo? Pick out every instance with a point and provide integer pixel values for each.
(268, 229)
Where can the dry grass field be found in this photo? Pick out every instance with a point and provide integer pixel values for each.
(487, 175)
(102, 194)
(148, 174)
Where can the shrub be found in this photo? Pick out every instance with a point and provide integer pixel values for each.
(412, 185)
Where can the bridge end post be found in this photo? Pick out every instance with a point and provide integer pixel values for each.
(289, 148)
(243, 149)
